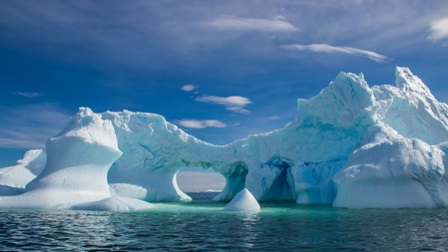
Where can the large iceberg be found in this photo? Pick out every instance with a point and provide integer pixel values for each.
(351, 145)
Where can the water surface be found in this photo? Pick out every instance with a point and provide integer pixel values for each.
(202, 225)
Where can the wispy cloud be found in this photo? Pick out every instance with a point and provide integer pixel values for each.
(233, 103)
(439, 30)
(278, 24)
(29, 126)
(89, 31)
(325, 48)
(29, 94)
(201, 124)
(188, 88)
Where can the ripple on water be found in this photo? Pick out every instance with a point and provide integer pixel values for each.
(205, 226)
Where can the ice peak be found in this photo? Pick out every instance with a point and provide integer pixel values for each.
(403, 75)
(342, 103)
(409, 82)
(351, 78)
(352, 85)
(85, 111)
(84, 116)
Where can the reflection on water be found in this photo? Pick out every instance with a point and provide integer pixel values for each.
(205, 226)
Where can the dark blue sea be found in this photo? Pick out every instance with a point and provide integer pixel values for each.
(202, 225)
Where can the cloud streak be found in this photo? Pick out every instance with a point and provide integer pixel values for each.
(29, 94)
(277, 24)
(439, 30)
(232, 103)
(325, 48)
(201, 124)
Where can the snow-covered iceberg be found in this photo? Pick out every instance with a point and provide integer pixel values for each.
(244, 201)
(78, 160)
(351, 145)
(401, 159)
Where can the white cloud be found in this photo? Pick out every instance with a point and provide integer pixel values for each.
(278, 24)
(201, 124)
(226, 101)
(325, 48)
(439, 30)
(29, 94)
(29, 126)
(238, 110)
(188, 88)
(233, 103)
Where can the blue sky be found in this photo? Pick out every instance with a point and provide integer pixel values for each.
(219, 70)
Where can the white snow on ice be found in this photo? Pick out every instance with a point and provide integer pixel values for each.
(352, 145)
(244, 201)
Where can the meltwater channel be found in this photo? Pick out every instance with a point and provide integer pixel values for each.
(202, 225)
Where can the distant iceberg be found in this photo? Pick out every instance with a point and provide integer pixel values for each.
(13, 179)
(351, 145)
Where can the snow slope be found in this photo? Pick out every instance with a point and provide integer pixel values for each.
(351, 145)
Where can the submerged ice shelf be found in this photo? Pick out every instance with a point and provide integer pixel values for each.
(351, 145)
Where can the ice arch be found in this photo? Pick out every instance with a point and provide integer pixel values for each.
(351, 145)
(153, 152)
(272, 180)
(311, 160)
(235, 175)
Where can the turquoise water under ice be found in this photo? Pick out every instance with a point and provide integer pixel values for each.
(202, 225)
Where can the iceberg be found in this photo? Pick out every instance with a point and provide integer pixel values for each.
(352, 145)
(78, 160)
(401, 160)
(244, 201)
(153, 152)
(13, 179)
(393, 172)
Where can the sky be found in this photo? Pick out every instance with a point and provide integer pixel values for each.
(219, 70)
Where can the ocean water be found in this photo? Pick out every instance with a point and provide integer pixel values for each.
(202, 225)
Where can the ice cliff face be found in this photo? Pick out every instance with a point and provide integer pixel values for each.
(351, 145)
